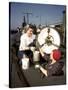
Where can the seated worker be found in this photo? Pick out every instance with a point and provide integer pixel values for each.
(27, 41)
(55, 65)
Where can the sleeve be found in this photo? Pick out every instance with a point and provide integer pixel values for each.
(22, 43)
(46, 57)
(55, 70)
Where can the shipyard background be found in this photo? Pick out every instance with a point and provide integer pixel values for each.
(16, 77)
(4, 81)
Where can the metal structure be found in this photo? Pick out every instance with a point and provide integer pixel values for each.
(49, 39)
(27, 15)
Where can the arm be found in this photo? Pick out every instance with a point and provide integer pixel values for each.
(44, 71)
(41, 52)
(44, 55)
(23, 45)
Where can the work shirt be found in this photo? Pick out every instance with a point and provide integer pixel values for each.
(54, 69)
(25, 41)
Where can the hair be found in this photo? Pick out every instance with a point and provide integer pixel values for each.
(26, 28)
(57, 54)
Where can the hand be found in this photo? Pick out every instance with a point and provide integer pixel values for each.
(37, 66)
(32, 49)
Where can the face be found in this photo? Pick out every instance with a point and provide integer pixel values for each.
(30, 32)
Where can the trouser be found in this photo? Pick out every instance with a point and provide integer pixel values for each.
(28, 54)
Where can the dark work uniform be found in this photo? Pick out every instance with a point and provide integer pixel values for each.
(53, 69)
(44, 59)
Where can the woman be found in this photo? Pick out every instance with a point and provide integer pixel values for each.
(27, 41)
(55, 65)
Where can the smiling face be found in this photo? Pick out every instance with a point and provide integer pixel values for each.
(29, 32)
